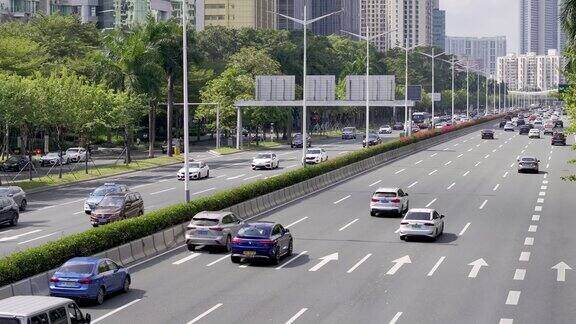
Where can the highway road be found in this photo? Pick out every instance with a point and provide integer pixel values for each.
(500, 260)
(59, 212)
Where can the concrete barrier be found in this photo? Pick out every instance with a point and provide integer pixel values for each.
(169, 238)
(114, 255)
(159, 243)
(39, 284)
(137, 249)
(22, 287)
(148, 246)
(180, 233)
(6, 292)
(126, 256)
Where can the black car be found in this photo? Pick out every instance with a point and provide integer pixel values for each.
(559, 124)
(487, 134)
(524, 130)
(520, 122)
(373, 139)
(558, 139)
(297, 141)
(14, 163)
(502, 123)
(398, 126)
(9, 211)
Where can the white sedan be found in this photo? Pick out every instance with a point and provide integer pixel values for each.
(423, 222)
(316, 155)
(534, 133)
(266, 161)
(196, 170)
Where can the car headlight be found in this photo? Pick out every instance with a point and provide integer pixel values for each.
(86, 206)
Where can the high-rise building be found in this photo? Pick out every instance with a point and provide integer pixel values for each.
(374, 21)
(438, 25)
(330, 25)
(538, 26)
(412, 20)
(195, 12)
(482, 52)
(240, 13)
(531, 72)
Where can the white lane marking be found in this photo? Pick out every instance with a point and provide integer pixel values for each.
(203, 191)
(455, 144)
(418, 162)
(431, 173)
(494, 150)
(63, 204)
(538, 208)
(324, 261)
(236, 177)
(513, 297)
(545, 175)
(486, 156)
(6, 231)
(220, 176)
(162, 191)
(512, 165)
(291, 260)
(186, 258)
(519, 274)
(540, 200)
(522, 152)
(400, 171)
(506, 321)
(524, 256)
(505, 174)
(295, 317)
(535, 218)
(478, 163)
(199, 317)
(435, 267)
(298, 221)
(459, 156)
(483, 204)
(549, 158)
(470, 150)
(218, 260)
(496, 187)
(142, 185)
(413, 184)
(252, 177)
(464, 141)
(433, 155)
(477, 145)
(544, 181)
(450, 186)
(446, 149)
(543, 187)
(395, 318)
(80, 212)
(164, 180)
(359, 263)
(529, 241)
(547, 165)
(532, 228)
(291, 166)
(464, 229)
(10, 238)
(37, 238)
(466, 173)
(500, 146)
(448, 163)
(431, 202)
(397, 231)
(116, 310)
(347, 225)
(526, 146)
(375, 183)
(341, 200)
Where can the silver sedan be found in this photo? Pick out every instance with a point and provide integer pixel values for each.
(423, 222)
(528, 163)
(15, 193)
(212, 228)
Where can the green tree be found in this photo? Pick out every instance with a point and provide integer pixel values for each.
(21, 55)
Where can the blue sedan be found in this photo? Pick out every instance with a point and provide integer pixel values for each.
(265, 240)
(89, 278)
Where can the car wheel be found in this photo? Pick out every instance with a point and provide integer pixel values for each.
(14, 220)
(100, 296)
(290, 248)
(126, 286)
(235, 259)
(94, 225)
(228, 245)
(402, 237)
(207, 174)
(442, 230)
(276, 257)
(191, 247)
(372, 213)
(23, 204)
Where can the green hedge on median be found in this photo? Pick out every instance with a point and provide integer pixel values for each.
(39, 259)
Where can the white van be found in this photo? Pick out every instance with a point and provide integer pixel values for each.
(41, 310)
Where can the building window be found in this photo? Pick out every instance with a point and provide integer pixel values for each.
(215, 6)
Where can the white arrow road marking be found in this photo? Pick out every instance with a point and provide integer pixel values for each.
(341, 200)
(464, 229)
(199, 317)
(513, 297)
(561, 268)
(476, 265)
(435, 267)
(236, 177)
(115, 311)
(347, 225)
(395, 318)
(324, 261)
(298, 221)
(291, 260)
(398, 263)
(359, 263)
(187, 258)
(519, 274)
(10, 238)
(295, 317)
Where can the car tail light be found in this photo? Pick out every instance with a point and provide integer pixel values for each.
(236, 240)
(375, 200)
(429, 224)
(403, 223)
(216, 228)
(395, 200)
(267, 242)
(191, 227)
(54, 279)
(85, 281)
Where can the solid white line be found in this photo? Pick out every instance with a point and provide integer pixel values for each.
(450, 186)
(505, 174)
(529, 241)
(9, 238)
(291, 260)
(395, 318)
(375, 183)
(80, 212)
(220, 259)
(464, 229)
(296, 222)
(448, 163)
(524, 256)
(430, 203)
(63, 204)
(400, 171)
(199, 317)
(513, 297)
(161, 191)
(37, 238)
(478, 163)
(496, 187)
(532, 228)
(483, 204)
(506, 321)
(431, 173)
(236, 177)
(438, 263)
(187, 258)
(466, 173)
(413, 184)
(433, 155)
(359, 263)
(295, 317)
(459, 156)
(547, 165)
(347, 225)
(203, 191)
(418, 162)
(535, 218)
(252, 177)
(512, 165)
(164, 180)
(341, 200)
(538, 208)
(470, 150)
(116, 310)
(519, 274)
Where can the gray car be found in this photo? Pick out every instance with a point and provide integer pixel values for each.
(528, 163)
(212, 228)
(15, 193)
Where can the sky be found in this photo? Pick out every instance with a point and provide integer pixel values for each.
(483, 18)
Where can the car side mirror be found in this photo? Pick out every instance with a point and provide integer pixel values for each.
(87, 318)
(406, 194)
(286, 231)
(441, 216)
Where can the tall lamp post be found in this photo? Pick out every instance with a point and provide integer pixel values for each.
(452, 63)
(486, 80)
(407, 115)
(185, 90)
(433, 57)
(305, 22)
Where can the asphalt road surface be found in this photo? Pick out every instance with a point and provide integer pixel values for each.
(59, 212)
(496, 262)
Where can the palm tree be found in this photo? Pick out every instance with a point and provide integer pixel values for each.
(568, 19)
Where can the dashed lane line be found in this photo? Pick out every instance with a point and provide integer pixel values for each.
(513, 297)
(496, 187)
(115, 311)
(37, 238)
(535, 218)
(524, 256)
(529, 241)
(295, 317)
(341, 200)
(395, 318)
(347, 225)
(519, 274)
(375, 183)
(413, 184)
(483, 204)
(431, 202)
(218, 260)
(359, 263)
(431, 173)
(298, 221)
(466, 173)
(533, 228)
(206, 313)
(186, 258)
(464, 229)
(450, 186)
(162, 191)
(435, 267)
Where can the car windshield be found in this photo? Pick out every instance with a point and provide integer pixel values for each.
(417, 216)
(13, 159)
(52, 155)
(384, 194)
(256, 231)
(348, 129)
(112, 202)
(527, 159)
(204, 222)
(4, 191)
(313, 152)
(264, 156)
(103, 191)
(298, 136)
(72, 150)
(194, 165)
(83, 268)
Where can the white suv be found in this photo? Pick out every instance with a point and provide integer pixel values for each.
(389, 200)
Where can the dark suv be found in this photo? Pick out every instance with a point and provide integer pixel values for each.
(524, 130)
(117, 206)
(487, 134)
(14, 163)
(558, 139)
(9, 211)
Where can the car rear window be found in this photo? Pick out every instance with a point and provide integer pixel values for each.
(264, 156)
(76, 268)
(528, 160)
(384, 194)
(5, 320)
(417, 216)
(204, 222)
(254, 231)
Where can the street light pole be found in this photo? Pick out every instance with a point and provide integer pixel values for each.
(478, 93)
(407, 115)
(185, 94)
(486, 103)
(433, 57)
